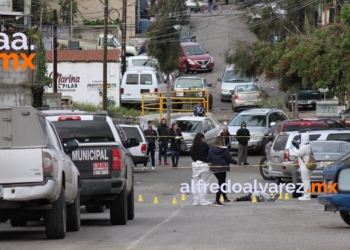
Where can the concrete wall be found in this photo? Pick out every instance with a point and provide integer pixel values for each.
(92, 10)
(12, 93)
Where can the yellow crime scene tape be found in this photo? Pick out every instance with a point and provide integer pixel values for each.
(232, 136)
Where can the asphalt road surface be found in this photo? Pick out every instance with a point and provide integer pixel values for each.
(285, 224)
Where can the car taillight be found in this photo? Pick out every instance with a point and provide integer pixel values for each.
(117, 159)
(235, 97)
(143, 148)
(69, 118)
(284, 168)
(297, 161)
(122, 91)
(155, 90)
(47, 163)
(286, 155)
(261, 95)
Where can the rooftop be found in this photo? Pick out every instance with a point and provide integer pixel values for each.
(83, 56)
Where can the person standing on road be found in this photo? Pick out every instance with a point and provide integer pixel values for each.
(227, 137)
(144, 9)
(303, 154)
(199, 110)
(200, 170)
(163, 133)
(142, 49)
(219, 157)
(243, 136)
(151, 137)
(175, 143)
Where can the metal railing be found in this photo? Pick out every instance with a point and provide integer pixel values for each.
(156, 101)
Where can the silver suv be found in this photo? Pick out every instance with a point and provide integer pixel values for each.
(260, 122)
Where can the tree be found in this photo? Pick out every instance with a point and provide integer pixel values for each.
(37, 6)
(64, 14)
(164, 39)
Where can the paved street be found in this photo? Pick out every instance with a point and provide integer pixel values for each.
(285, 224)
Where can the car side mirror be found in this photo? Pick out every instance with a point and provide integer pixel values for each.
(225, 123)
(131, 142)
(219, 80)
(273, 124)
(72, 145)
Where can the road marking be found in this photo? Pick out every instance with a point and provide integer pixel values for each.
(153, 229)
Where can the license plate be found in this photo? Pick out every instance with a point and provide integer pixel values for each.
(276, 159)
(274, 174)
(203, 66)
(1, 191)
(249, 103)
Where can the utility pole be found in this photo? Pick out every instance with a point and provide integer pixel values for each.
(71, 20)
(124, 38)
(104, 91)
(54, 54)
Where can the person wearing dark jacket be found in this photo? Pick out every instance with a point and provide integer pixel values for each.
(175, 135)
(151, 137)
(163, 133)
(200, 170)
(243, 136)
(219, 157)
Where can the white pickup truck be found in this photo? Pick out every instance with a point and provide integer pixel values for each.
(112, 43)
(38, 179)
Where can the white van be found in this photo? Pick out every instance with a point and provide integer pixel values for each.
(138, 80)
(230, 80)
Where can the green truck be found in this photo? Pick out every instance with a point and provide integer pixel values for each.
(306, 97)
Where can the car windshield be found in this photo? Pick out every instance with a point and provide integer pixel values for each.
(230, 76)
(185, 34)
(247, 88)
(250, 120)
(329, 147)
(132, 132)
(141, 62)
(194, 50)
(189, 83)
(190, 126)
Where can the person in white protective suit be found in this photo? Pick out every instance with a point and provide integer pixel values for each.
(303, 154)
(200, 170)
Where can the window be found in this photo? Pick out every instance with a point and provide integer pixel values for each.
(281, 142)
(189, 83)
(85, 131)
(146, 79)
(303, 127)
(273, 117)
(144, 62)
(190, 126)
(210, 123)
(250, 120)
(230, 76)
(132, 132)
(314, 137)
(247, 88)
(55, 140)
(43, 124)
(343, 180)
(205, 126)
(132, 79)
(282, 117)
(194, 50)
(339, 137)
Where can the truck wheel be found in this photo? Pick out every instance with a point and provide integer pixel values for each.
(264, 169)
(55, 219)
(73, 215)
(131, 204)
(345, 216)
(119, 208)
(95, 208)
(18, 222)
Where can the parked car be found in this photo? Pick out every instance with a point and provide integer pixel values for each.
(38, 179)
(230, 80)
(336, 178)
(192, 83)
(194, 58)
(194, 5)
(191, 125)
(325, 153)
(260, 122)
(306, 97)
(103, 160)
(299, 124)
(332, 123)
(138, 153)
(246, 96)
(186, 33)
